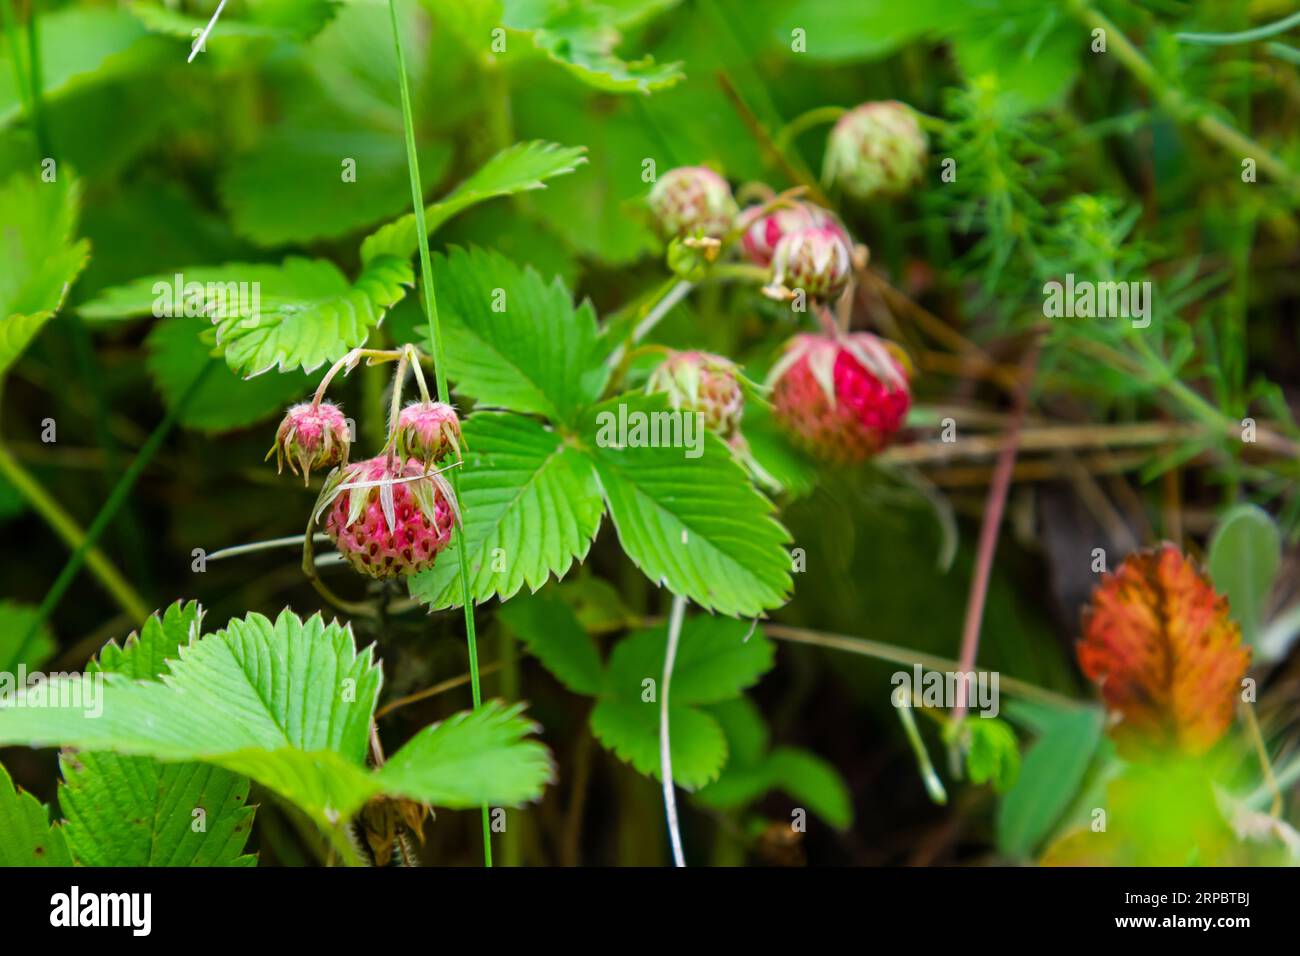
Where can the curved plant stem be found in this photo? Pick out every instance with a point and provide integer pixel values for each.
(933, 785)
(819, 116)
(996, 503)
(440, 373)
(66, 527)
(115, 499)
(665, 744)
(290, 541)
(895, 654)
(1245, 36)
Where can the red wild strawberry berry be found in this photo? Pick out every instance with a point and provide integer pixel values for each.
(876, 149)
(704, 383)
(842, 398)
(386, 526)
(311, 436)
(763, 230)
(817, 260)
(428, 432)
(692, 201)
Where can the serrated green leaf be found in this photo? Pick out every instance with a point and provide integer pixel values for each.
(696, 525)
(26, 837)
(1245, 552)
(550, 630)
(136, 811)
(308, 313)
(714, 661)
(1053, 767)
(15, 621)
(630, 728)
(513, 340)
(519, 168)
(38, 221)
(145, 654)
(453, 763)
(524, 492)
(287, 703)
(582, 38)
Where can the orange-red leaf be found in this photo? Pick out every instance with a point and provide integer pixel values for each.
(1168, 658)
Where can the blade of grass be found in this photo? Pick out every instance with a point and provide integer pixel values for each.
(439, 371)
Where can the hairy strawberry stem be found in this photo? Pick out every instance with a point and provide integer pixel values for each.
(665, 743)
(439, 371)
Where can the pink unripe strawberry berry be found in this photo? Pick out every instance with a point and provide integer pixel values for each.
(817, 260)
(428, 432)
(393, 528)
(311, 436)
(843, 397)
(704, 383)
(876, 149)
(766, 229)
(692, 201)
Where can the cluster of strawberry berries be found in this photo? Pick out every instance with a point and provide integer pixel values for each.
(841, 396)
(389, 515)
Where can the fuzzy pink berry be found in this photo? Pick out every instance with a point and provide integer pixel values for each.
(692, 201)
(428, 432)
(311, 436)
(766, 229)
(876, 149)
(817, 260)
(383, 536)
(842, 398)
(704, 383)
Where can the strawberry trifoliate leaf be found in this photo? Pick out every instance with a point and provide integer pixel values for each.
(714, 660)
(301, 314)
(582, 39)
(513, 340)
(695, 524)
(518, 168)
(531, 507)
(453, 763)
(137, 811)
(630, 728)
(289, 704)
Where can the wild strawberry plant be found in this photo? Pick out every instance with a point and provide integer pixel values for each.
(905, 351)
